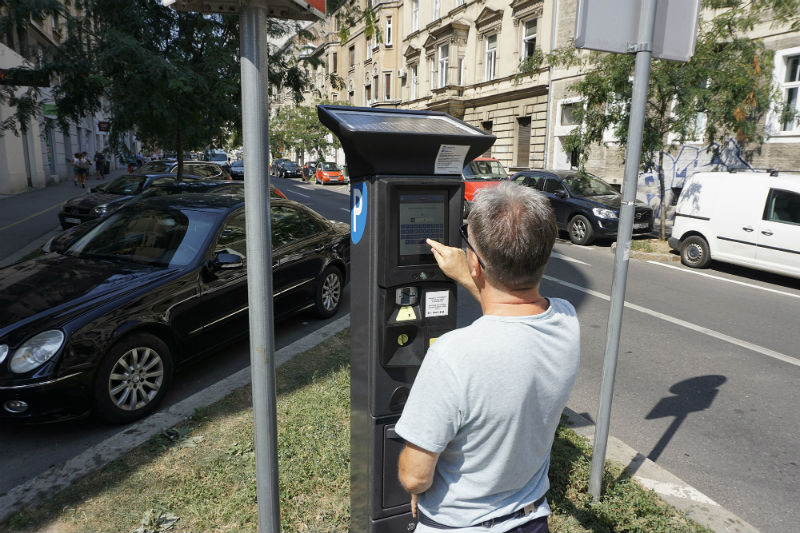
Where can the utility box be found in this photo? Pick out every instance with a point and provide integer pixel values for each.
(405, 173)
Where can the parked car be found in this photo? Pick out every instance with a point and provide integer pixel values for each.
(479, 173)
(745, 218)
(105, 199)
(328, 172)
(219, 157)
(289, 169)
(102, 324)
(586, 207)
(237, 169)
(275, 169)
(309, 169)
(203, 169)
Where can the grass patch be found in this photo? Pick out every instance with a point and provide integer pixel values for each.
(202, 472)
(650, 245)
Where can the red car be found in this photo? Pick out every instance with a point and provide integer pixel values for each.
(479, 173)
(328, 172)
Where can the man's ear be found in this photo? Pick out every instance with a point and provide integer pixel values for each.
(474, 265)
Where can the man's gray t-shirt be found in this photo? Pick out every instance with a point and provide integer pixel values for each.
(488, 398)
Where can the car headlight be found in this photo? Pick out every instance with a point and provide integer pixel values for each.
(101, 210)
(36, 351)
(599, 212)
(3, 352)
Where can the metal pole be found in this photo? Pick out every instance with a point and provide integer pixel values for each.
(253, 22)
(641, 80)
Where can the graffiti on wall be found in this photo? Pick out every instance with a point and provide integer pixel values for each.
(688, 161)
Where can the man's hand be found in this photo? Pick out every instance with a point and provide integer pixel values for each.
(453, 262)
(414, 498)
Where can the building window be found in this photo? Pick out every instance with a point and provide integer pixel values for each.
(368, 94)
(523, 141)
(352, 52)
(388, 39)
(529, 38)
(461, 71)
(335, 62)
(387, 86)
(486, 125)
(415, 15)
(444, 52)
(377, 87)
(568, 117)
(790, 87)
(432, 64)
(414, 82)
(491, 56)
(369, 48)
(437, 9)
(459, 2)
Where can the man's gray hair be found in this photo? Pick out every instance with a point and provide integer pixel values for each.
(513, 228)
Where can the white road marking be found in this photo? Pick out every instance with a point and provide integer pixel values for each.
(346, 210)
(688, 325)
(675, 490)
(300, 194)
(570, 259)
(720, 278)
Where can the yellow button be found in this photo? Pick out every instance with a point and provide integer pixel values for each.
(402, 340)
(406, 313)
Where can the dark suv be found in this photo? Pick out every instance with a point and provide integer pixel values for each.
(585, 206)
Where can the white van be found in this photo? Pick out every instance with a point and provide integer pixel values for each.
(746, 218)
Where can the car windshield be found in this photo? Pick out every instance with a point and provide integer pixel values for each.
(157, 237)
(485, 170)
(126, 185)
(237, 164)
(154, 167)
(289, 164)
(328, 166)
(218, 157)
(588, 185)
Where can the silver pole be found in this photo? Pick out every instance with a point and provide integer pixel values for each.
(253, 22)
(641, 80)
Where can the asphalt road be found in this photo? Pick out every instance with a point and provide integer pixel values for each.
(706, 380)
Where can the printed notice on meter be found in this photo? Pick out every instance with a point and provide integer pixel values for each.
(450, 159)
(436, 303)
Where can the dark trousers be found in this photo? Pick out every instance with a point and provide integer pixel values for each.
(537, 525)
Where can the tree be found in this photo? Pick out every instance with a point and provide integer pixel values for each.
(298, 127)
(726, 86)
(172, 77)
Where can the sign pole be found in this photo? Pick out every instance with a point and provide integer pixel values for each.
(641, 80)
(253, 39)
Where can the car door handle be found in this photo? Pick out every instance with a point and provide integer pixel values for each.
(747, 228)
(767, 233)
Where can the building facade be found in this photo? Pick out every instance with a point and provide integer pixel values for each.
(43, 154)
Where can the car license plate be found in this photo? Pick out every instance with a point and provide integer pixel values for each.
(640, 225)
(70, 220)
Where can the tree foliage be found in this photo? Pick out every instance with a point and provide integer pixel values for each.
(172, 77)
(725, 89)
(297, 127)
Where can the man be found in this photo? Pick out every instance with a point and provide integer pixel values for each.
(481, 417)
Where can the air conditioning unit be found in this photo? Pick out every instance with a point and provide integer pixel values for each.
(401, 73)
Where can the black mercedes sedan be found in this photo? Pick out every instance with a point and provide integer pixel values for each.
(105, 199)
(101, 324)
(586, 207)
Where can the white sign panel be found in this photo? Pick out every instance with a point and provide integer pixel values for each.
(436, 303)
(613, 26)
(450, 159)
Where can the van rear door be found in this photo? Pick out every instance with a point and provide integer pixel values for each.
(779, 233)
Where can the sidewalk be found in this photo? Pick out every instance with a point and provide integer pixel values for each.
(29, 219)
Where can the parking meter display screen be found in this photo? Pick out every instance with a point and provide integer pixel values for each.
(422, 216)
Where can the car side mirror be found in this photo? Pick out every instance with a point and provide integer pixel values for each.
(225, 261)
(561, 193)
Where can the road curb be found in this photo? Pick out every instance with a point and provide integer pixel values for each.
(649, 256)
(62, 476)
(669, 487)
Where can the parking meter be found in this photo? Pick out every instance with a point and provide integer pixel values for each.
(405, 173)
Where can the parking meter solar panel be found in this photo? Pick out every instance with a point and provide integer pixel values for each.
(402, 142)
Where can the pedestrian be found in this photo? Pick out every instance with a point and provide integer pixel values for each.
(138, 159)
(100, 164)
(76, 169)
(84, 165)
(481, 416)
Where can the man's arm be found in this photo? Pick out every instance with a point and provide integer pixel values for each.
(415, 471)
(453, 262)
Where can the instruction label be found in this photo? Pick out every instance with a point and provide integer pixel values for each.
(450, 159)
(436, 303)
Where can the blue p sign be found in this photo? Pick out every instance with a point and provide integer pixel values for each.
(358, 211)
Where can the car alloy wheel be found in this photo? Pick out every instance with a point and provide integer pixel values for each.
(329, 293)
(133, 378)
(580, 230)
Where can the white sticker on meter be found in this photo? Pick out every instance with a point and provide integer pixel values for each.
(436, 303)
(450, 159)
